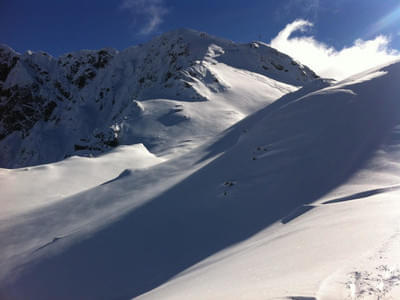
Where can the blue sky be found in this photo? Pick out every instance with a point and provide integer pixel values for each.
(61, 26)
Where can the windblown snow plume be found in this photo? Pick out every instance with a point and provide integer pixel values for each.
(326, 60)
(152, 10)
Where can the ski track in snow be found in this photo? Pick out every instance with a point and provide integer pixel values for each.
(376, 276)
(379, 275)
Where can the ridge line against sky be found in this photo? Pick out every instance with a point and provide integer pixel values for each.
(334, 38)
(322, 58)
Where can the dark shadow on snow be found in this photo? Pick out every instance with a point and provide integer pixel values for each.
(296, 213)
(123, 174)
(363, 194)
(185, 225)
(231, 135)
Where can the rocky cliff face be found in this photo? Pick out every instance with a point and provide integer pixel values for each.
(89, 101)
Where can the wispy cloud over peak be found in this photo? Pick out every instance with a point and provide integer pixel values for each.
(152, 12)
(302, 8)
(297, 25)
(325, 59)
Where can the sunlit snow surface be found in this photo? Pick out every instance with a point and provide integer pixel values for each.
(297, 201)
(32, 187)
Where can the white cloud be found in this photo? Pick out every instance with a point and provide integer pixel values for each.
(153, 12)
(325, 60)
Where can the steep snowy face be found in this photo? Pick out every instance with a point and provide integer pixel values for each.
(90, 101)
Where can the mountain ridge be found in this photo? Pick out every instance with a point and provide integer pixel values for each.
(79, 103)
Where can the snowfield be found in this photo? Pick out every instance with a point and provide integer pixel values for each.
(32, 187)
(299, 200)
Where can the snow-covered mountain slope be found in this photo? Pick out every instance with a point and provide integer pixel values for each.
(53, 182)
(162, 94)
(297, 201)
(336, 173)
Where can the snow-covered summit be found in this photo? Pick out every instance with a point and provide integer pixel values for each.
(89, 101)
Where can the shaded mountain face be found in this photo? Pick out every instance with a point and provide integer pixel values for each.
(159, 94)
